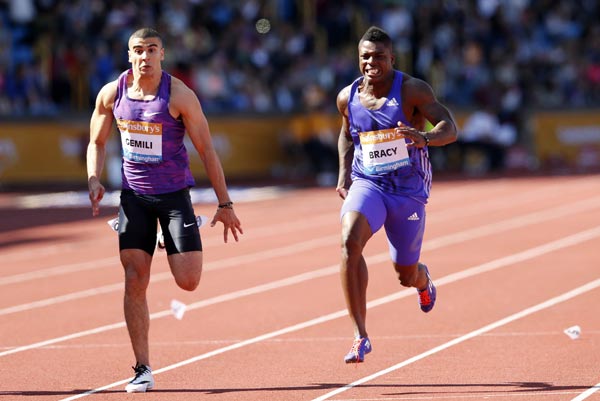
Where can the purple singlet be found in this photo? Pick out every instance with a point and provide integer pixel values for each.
(381, 158)
(155, 160)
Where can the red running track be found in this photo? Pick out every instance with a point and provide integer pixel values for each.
(516, 262)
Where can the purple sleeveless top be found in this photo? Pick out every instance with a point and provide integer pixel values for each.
(155, 160)
(380, 157)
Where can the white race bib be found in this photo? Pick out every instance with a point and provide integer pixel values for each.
(383, 151)
(141, 141)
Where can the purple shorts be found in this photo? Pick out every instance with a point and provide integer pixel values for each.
(403, 218)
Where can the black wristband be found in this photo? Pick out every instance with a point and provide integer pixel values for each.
(225, 205)
(426, 140)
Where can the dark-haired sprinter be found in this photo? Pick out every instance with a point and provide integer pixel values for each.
(152, 111)
(385, 174)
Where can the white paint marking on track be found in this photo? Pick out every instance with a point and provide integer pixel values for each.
(500, 203)
(494, 228)
(307, 222)
(499, 323)
(220, 264)
(200, 304)
(506, 261)
(446, 240)
(587, 393)
(58, 270)
(530, 253)
(62, 298)
(478, 397)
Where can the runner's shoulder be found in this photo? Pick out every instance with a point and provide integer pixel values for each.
(108, 93)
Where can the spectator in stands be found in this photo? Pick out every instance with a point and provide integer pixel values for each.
(484, 141)
(544, 38)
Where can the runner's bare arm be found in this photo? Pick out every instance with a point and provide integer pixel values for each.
(185, 103)
(101, 124)
(420, 104)
(345, 145)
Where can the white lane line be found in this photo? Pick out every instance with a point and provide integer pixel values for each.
(520, 221)
(114, 260)
(61, 298)
(217, 265)
(446, 240)
(499, 323)
(524, 255)
(196, 305)
(587, 393)
(58, 270)
(523, 393)
(506, 261)
(307, 222)
(499, 202)
(307, 340)
(547, 214)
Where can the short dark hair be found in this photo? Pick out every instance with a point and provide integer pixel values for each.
(145, 33)
(376, 34)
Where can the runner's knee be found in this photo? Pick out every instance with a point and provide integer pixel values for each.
(186, 269)
(137, 272)
(353, 241)
(351, 245)
(188, 282)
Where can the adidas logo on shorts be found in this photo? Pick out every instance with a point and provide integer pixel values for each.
(413, 217)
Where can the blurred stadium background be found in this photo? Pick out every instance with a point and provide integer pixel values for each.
(526, 70)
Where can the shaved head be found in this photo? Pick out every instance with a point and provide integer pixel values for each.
(145, 33)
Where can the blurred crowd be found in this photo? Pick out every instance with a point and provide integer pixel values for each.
(513, 54)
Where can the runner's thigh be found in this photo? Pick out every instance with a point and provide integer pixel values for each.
(404, 227)
(178, 222)
(137, 222)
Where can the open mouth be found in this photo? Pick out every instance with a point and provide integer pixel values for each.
(373, 72)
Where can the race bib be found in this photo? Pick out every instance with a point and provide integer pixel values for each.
(383, 151)
(141, 141)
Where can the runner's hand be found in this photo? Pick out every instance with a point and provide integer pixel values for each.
(230, 222)
(416, 137)
(96, 194)
(342, 192)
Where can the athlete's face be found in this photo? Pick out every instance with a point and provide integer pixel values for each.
(145, 55)
(375, 60)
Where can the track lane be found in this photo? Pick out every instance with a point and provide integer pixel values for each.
(119, 342)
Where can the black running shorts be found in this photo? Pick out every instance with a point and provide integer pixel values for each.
(138, 215)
